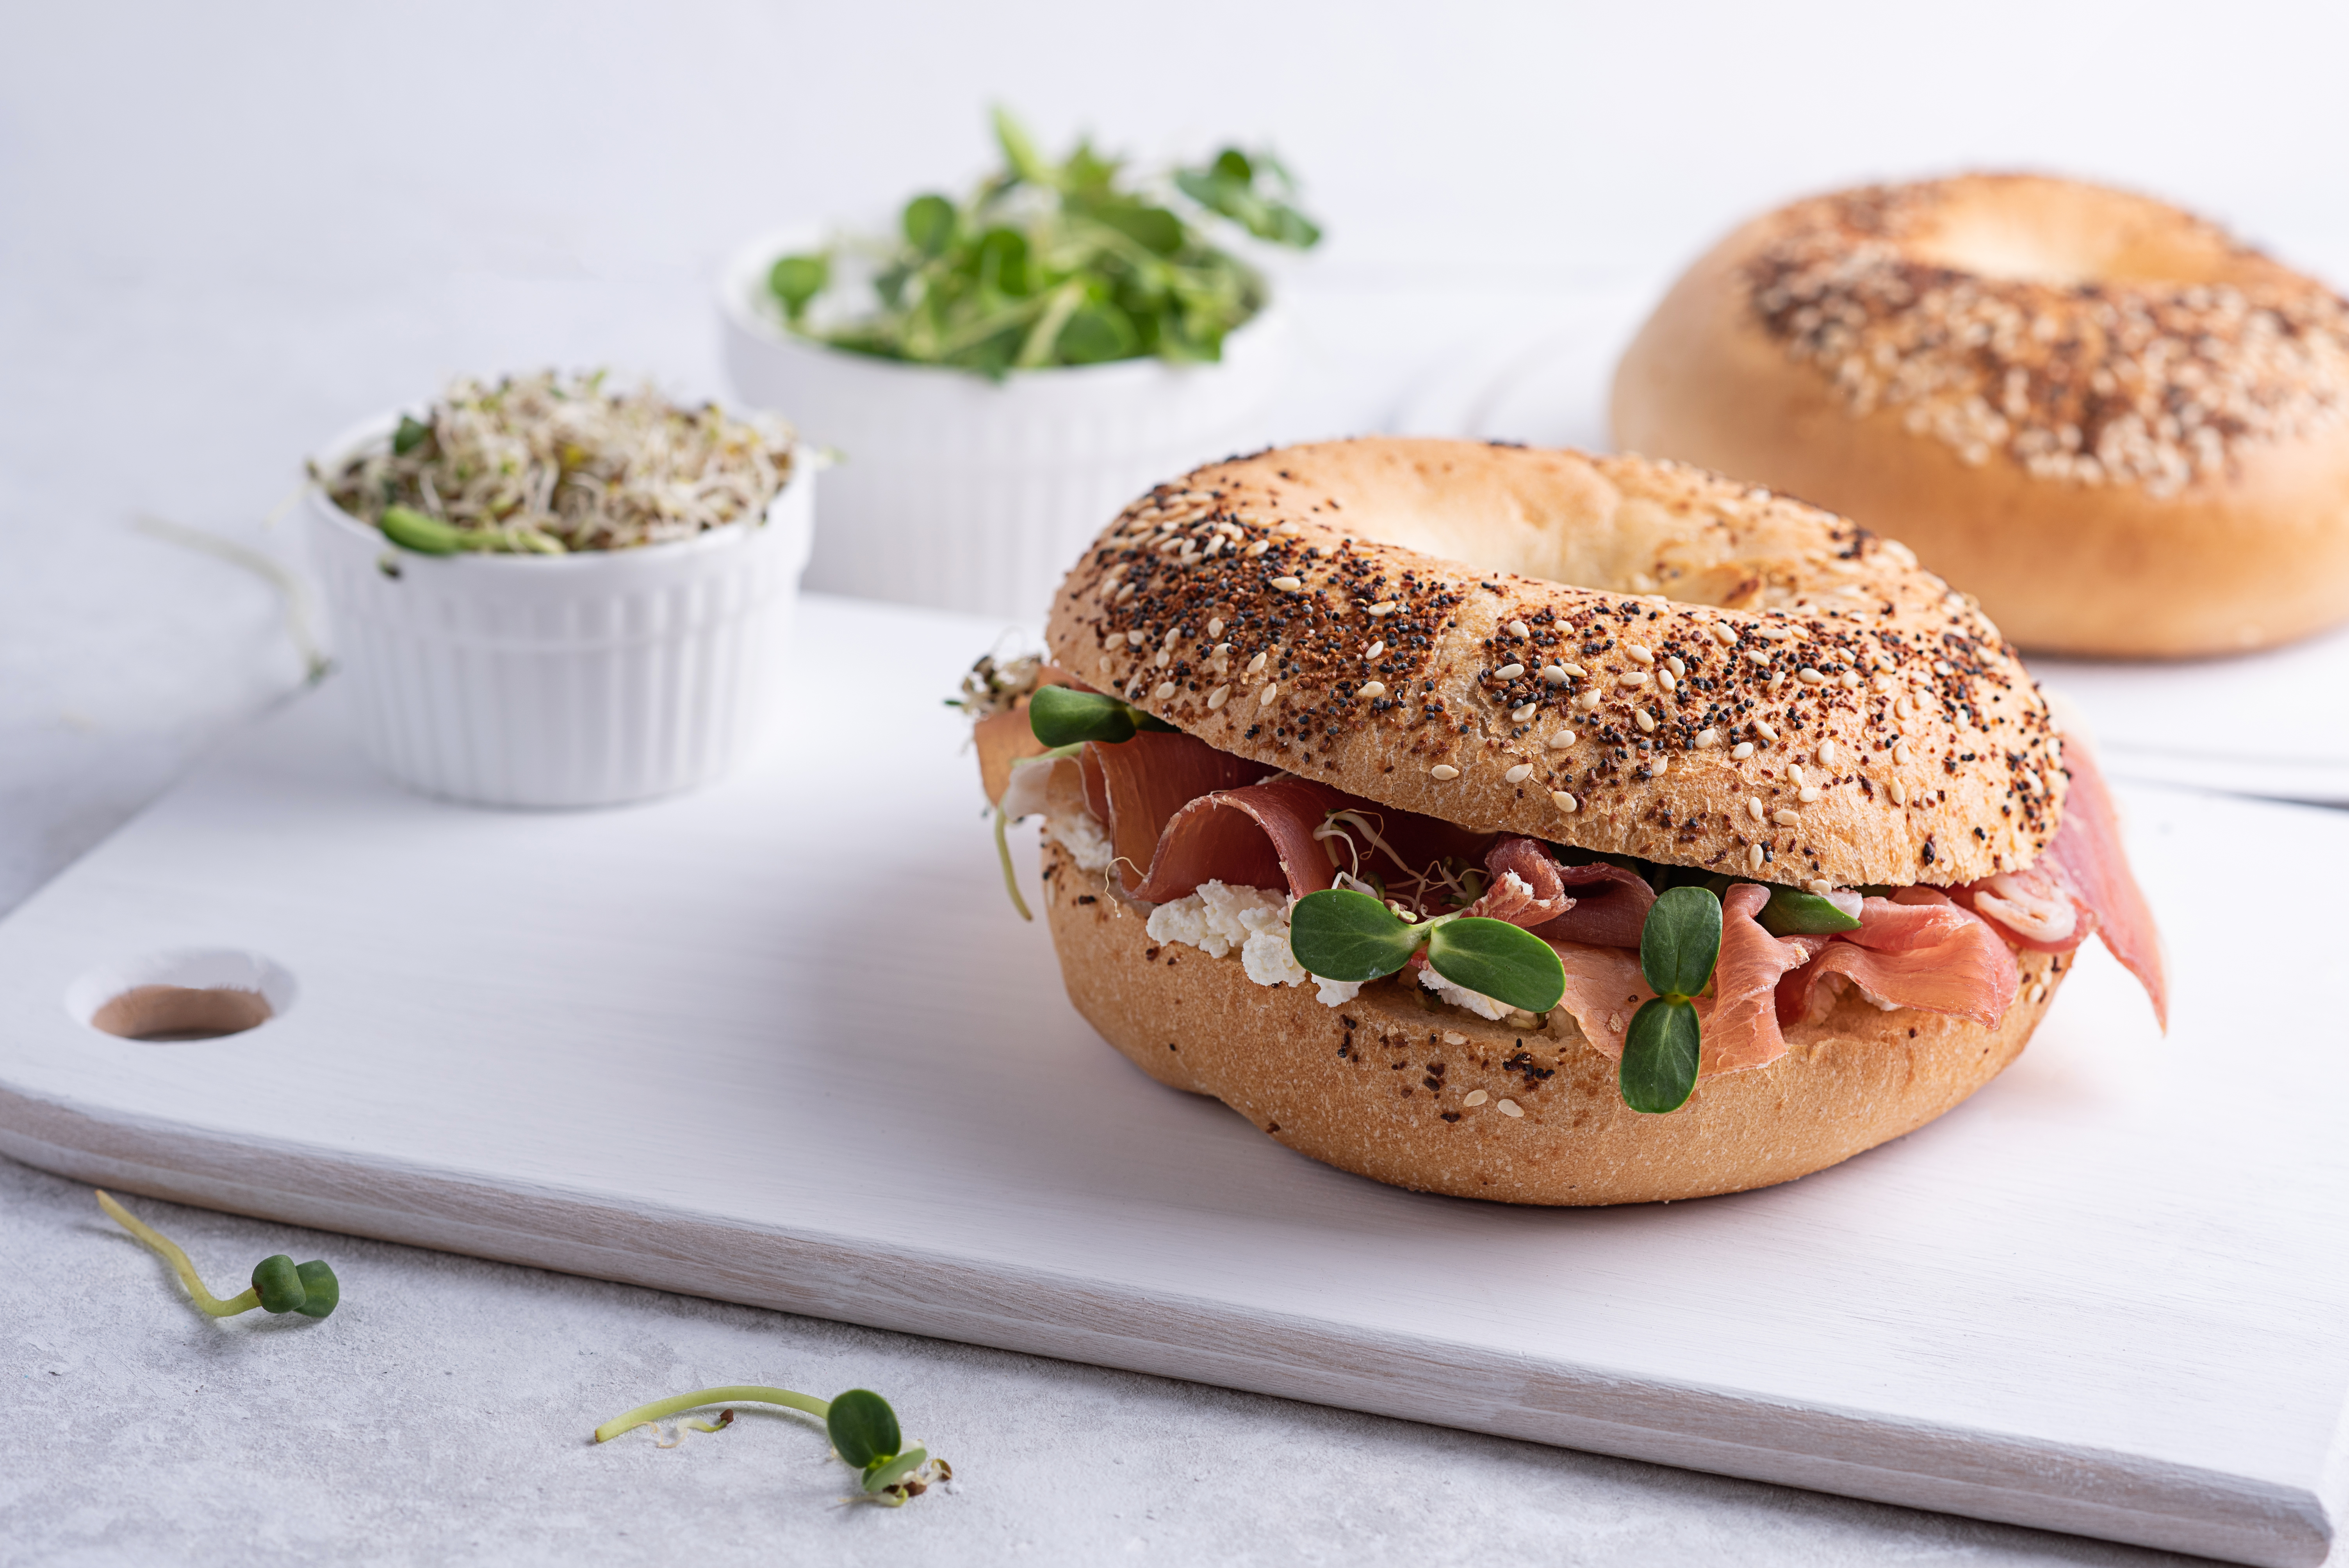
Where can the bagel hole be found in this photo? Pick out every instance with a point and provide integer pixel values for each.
(2062, 236)
(182, 994)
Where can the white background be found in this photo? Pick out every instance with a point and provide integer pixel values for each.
(226, 232)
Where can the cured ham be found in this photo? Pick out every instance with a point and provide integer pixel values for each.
(1741, 1016)
(2036, 908)
(1002, 740)
(1604, 987)
(1137, 786)
(2087, 854)
(1610, 907)
(1258, 836)
(1525, 889)
(1969, 972)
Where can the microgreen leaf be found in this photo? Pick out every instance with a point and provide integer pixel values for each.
(1794, 912)
(1062, 716)
(1681, 941)
(1505, 962)
(279, 1283)
(1660, 1054)
(412, 433)
(321, 1291)
(1341, 935)
(411, 530)
(796, 280)
(929, 224)
(890, 1468)
(863, 1428)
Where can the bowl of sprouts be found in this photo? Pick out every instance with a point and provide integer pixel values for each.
(1002, 371)
(547, 591)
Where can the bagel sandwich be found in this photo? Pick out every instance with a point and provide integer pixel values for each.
(1546, 828)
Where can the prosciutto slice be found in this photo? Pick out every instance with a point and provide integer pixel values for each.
(1741, 1016)
(1137, 786)
(1259, 836)
(1967, 970)
(2087, 856)
(1002, 740)
(1525, 888)
(2035, 908)
(1610, 907)
(1604, 987)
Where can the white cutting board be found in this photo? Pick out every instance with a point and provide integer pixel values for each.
(783, 1042)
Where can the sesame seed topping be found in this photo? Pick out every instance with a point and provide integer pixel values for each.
(1769, 735)
(1794, 772)
(1707, 737)
(1443, 773)
(1899, 791)
(1386, 609)
(1642, 652)
(1520, 630)
(1759, 655)
(1508, 1107)
(1474, 1097)
(2037, 993)
(1810, 676)
(1754, 856)
(1134, 638)
(1784, 818)
(1560, 739)
(1742, 750)
(1256, 664)
(1373, 690)
(1754, 808)
(1673, 664)
(1217, 698)
(1508, 672)
(1374, 650)
(1664, 679)
(1646, 721)
(1819, 885)
(1519, 774)
(1525, 714)
(1215, 627)
(1724, 635)
(1554, 674)
(1270, 695)
(1165, 689)
(1124, 593)
(1258, 548)
(1455, 1038)
(1564, 801)
(1827, 753)
(1807, 793)
(1636, 678)
(1577, 671)
(1900, 751)
(1287, 584)
(1588, 701)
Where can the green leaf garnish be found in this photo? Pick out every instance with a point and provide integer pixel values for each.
(411, 530)
(1505, 962)
(321, 1291)
(412, 433)
(929, 224)
(1341, 935)
(1794, 912)
(863, 1428)
(1681, 941)
(1063, 715)
(278, 1285)
(1660, 1054)
(796, 280)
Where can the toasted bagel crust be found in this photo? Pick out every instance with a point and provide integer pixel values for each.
(2124, 431)
(1379, 615)
(1379, 1086)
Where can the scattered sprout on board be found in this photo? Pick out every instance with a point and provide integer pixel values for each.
(279, 1284)
(1048, 264)
(550, 463)
(863, 1428)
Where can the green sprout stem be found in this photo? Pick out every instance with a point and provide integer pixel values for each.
(279, 1284)
(1003, 853)
(168, 1250)
(752, 1393)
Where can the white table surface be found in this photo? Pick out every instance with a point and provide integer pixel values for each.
(221, 242)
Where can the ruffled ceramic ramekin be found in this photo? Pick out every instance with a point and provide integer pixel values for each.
(574, 680)
(966, 494)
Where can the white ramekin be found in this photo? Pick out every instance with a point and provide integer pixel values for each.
(573, 680)
(965, 494)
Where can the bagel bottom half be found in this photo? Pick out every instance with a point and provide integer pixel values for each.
(1379, 1086)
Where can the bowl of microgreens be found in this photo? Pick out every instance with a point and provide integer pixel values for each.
(544, 592)
(1003, 372)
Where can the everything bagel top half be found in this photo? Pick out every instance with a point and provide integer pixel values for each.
(2125, 431)
(1622, 655)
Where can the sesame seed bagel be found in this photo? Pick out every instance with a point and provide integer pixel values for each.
(1421, 1096)
(2125, 432)
(1630, 656)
